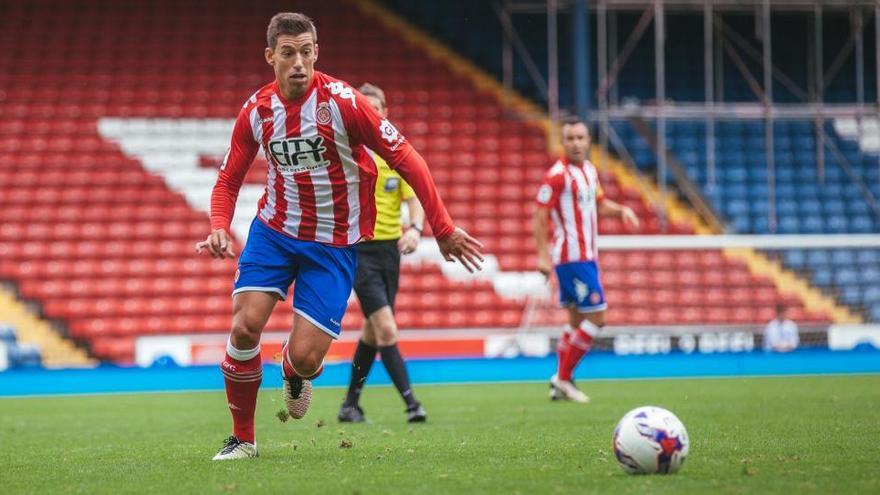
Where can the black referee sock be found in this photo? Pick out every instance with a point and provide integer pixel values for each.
(393, 362)
(364, 356)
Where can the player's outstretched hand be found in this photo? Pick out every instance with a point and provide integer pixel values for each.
(629, 217)
(218, 245)
(462, 247)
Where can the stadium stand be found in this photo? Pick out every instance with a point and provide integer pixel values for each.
(104, 242)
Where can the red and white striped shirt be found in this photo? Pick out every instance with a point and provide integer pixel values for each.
(321, 179)
(572, 193)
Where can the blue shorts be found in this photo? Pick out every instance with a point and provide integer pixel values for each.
(579, 286)
(324, 274)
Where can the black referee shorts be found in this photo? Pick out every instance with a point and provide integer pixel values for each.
(378, 275)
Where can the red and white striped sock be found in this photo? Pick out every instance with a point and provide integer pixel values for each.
(580, 343)
(562, 348)
(242, 373)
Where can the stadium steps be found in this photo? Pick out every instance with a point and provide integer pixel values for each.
(57, 351)
(787, 281)
(676, 211)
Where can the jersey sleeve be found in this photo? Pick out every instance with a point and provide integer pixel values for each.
(548, 193)
(242, 149)
(368, 128)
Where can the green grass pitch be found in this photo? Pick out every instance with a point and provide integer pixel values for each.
(756, 435)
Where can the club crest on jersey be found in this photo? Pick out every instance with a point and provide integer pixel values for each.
(298, 154)
(323, 115)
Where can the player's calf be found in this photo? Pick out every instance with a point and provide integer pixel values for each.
(297, 389)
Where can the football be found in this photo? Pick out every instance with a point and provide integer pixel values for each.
(650, 440)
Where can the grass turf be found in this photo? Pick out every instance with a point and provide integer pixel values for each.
(756, 435)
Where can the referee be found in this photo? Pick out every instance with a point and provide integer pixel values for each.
(376, 282)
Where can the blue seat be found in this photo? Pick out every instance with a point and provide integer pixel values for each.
(812, 224)
(759, 191)
(818, 257)
(760, 224)
(783, 158)
(736, 174)
(871, 295)
(851, 294)
(784, 174)
(740, 224)
(786, 207)
(842, 257)
(756, 143)
(869, 275)
(759, 206)
(861, 224)
(834, 207)
(874, 313)
(794, 258)
(836, 224)
(857, 207)
(753, 128)
(787, 191)
(789, 224)
(737, 207)
(808, 191)
(736, 191)
(807, 173)
(846, 276)
(823, 277)
(868, 257)
(810, 207)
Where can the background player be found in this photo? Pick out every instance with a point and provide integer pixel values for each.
(317, 204)
(376, 281)
(572, 196)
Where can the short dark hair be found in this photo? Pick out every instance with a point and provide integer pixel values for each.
(292, 23)
(368, 89)
(572, 120)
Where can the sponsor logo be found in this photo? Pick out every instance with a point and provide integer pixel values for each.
(391, 184)
(334, 322)
(342, 91)
(323, 115)
(298, 154)
(391, 134)
(595, 298)
(225, 159)
(266, 119)
(235, 278)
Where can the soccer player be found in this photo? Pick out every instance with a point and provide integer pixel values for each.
(572, 197)
(318, 203)
(376, 282)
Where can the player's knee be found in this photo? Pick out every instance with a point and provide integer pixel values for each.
(306, 362)
(245, 335)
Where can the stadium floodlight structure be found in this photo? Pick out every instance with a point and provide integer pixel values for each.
(719, 40)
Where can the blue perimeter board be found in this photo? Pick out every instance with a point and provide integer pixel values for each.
(598, 365)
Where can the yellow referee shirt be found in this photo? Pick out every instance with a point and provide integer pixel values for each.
(391, 189)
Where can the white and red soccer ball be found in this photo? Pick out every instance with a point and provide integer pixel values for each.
(650, 440)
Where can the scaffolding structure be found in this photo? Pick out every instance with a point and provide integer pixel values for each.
(718, 40)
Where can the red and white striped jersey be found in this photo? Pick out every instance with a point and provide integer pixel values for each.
(572, 193)
(321, 179)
